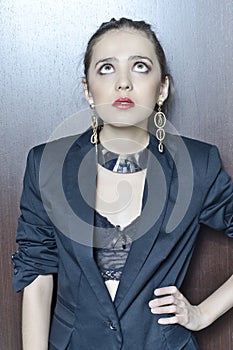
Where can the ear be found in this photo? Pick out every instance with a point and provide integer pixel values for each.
(164, 90)
(86, 92)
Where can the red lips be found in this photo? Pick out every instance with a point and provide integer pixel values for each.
(123, 103)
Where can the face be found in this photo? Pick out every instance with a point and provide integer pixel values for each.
(124, 78)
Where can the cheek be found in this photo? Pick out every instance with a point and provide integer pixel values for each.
(101, 91)
(96, 95)
(149, 90)
(100, 96)
(151, 98)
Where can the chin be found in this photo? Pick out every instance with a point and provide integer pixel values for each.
(123, 124)
(124, 118)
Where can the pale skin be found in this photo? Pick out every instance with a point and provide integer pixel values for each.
(36, 313)
(193, 317)
(123, 64)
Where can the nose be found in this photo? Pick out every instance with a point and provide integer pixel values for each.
(124, 84)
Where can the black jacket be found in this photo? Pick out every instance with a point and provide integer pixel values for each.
(185, 188)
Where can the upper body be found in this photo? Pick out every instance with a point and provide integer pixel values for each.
(157, 258)
(180, 186)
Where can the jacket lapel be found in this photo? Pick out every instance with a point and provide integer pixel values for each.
(159, 174)
(80, 188)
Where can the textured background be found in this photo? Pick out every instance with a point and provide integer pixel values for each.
(41, 48)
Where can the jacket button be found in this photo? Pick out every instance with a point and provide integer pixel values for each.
(111, 326)
(12, 258)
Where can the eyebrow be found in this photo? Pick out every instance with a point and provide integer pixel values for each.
(131, 58)
(137, 57)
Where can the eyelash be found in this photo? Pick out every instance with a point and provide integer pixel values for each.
(144, 64)
(104, 65)
(135, 64)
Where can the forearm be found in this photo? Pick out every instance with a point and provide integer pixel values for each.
(169, 300)
(36, 313)
(216, 304)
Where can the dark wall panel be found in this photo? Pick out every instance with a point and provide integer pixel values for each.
(41, 47)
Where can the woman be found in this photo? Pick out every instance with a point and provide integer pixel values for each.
(107, 210)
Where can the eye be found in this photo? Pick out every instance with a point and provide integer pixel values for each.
(107, 68)
(141, 67)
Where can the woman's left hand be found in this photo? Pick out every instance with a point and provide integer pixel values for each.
(170, 301)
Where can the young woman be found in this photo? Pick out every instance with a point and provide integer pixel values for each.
(115, 212)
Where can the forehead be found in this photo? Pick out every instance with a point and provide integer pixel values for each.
(122, 43)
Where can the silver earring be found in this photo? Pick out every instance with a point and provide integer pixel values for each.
(160, 122)
(94, 124)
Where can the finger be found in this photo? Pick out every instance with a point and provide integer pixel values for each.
(171, 309)
(165, 290)
(168, 300)
(168, 320)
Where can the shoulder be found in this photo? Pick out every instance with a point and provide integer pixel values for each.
(59, 148)
(202, 152)
(201, 158)
(197, 150)
(197, 145)
(191, 144)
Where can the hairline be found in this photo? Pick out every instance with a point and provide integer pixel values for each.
(127, 29)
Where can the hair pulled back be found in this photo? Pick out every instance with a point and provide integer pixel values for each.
(122, 23)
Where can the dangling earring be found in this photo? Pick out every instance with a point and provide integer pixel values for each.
(160, 121)
(94, 124)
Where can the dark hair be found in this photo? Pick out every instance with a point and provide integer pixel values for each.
(126, 23)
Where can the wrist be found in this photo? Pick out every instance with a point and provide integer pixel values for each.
(204, 317)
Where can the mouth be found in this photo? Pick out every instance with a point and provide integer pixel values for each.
(123, 103)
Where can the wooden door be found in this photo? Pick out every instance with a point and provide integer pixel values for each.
(40, 48)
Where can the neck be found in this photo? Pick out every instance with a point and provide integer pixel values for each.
(124, 140)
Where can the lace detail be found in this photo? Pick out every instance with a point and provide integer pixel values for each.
(112, 247)
(111, 275)
(111, 261)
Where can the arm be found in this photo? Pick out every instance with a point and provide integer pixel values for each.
(193, 317)
(36, 313)
(35, 260)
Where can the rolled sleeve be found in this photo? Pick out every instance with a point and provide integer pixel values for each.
(217, 209)
(37, 249)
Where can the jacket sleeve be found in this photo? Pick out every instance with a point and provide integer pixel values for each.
(37, 250)
(217, 208)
